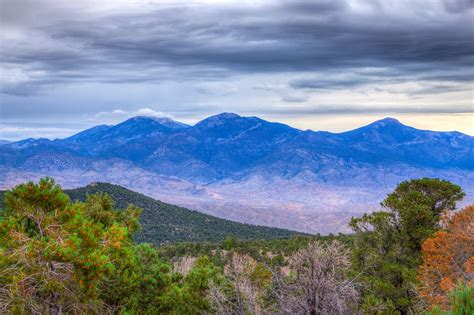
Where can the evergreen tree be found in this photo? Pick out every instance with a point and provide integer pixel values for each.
(57, 257)
(388, 242)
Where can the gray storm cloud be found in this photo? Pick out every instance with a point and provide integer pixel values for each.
(47, 46)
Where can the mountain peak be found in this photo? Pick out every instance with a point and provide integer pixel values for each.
(142, 119)
(164, 121)
(388, 130)
(387, 123)
(388, 120)
(219, 119)
(225, 116)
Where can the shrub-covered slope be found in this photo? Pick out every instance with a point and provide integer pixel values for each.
(163, 223)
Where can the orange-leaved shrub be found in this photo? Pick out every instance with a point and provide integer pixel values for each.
(448, 259)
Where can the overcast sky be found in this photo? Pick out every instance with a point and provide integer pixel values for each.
(322, 65)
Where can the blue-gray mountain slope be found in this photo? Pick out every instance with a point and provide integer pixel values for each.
(246, 168)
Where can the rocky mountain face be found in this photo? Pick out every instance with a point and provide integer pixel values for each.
(248, 169)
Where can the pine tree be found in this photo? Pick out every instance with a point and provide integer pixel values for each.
(388, 242)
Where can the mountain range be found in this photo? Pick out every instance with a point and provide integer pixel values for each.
(247, 169)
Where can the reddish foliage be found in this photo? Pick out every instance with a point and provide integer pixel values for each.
(448, 258)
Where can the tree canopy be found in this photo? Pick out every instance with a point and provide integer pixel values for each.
(448, 259)
(388, 242)
(63, 257)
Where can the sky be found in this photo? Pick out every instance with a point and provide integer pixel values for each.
(321, 65)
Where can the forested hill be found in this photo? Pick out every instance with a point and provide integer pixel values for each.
(163, 223)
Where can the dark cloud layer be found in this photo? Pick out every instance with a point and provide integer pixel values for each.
(62, 62)
(211, 41)
(367, 109)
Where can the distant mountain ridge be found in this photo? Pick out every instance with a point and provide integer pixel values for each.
(248, 169)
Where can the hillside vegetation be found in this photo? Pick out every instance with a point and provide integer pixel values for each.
(163, 223)
(414, 256)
